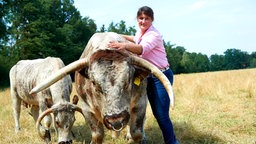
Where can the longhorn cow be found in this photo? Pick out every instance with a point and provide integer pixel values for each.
(112, 86)
(56, 99)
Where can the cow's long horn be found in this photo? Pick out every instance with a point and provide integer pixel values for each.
(157, 73)
(81, 63)
(40, 118)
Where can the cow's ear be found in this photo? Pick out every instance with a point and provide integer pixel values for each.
(141, 72)
(75, 99)
(84, 72)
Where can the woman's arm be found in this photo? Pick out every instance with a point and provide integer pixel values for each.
(132, 47)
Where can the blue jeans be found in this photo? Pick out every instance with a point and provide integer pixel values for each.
(160, 103)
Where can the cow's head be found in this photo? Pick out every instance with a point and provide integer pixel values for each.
(110, 81)
(64, 119)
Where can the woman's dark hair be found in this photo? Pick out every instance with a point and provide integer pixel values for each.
(147, 11)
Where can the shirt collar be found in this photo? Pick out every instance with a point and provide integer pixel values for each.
(149, 29)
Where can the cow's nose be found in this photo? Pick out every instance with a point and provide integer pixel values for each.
(116, 122)
(65, 142)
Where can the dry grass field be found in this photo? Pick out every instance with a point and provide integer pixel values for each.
(211, 108)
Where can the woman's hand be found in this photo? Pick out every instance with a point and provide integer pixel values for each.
(132, 47)
(116, 45)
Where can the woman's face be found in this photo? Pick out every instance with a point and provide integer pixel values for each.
(144, 22)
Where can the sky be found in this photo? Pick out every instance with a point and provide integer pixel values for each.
(202, 26)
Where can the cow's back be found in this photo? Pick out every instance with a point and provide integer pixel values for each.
(26, 74)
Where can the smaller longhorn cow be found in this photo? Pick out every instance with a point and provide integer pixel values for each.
(56, 99)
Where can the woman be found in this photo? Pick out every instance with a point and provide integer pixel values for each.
(148, 44)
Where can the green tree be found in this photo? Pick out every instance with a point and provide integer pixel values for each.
(174, 55)
(253, 60)
(121, 28)
(236, 59)
(217, 62)
(44, 28)
(193, 62)
(186, 62)
(5, 60)
(29, 24)
(4, 6)
(102, 29)
(40, 28)
(202, 62)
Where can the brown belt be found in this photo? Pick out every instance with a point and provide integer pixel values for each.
(164, 69)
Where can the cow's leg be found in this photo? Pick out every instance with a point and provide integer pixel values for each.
(138, 107)
(97, 129)
(135, 130)
(128, 135)
(46, 123)
(34, 112)
(16, 102)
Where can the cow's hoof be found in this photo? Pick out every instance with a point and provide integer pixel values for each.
(128, 137)
(130, 141)
(17, 129)
(143, 141)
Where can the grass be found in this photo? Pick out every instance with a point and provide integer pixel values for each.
(211, 108)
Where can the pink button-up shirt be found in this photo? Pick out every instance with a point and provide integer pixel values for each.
(153, 48)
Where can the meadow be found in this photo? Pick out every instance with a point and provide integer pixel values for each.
(211, 108)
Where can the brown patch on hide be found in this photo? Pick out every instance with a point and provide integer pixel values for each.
(139, 121)
(141, 73)
(139, 76)
(84, 72)
(25, 104)
(135, 110)
(91, 97)
(75, 99)
(112, 80)
(80, 83)
(48, 102)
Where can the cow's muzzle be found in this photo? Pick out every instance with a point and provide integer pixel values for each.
(116, 122)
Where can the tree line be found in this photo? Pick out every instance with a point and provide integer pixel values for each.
(31, 29)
